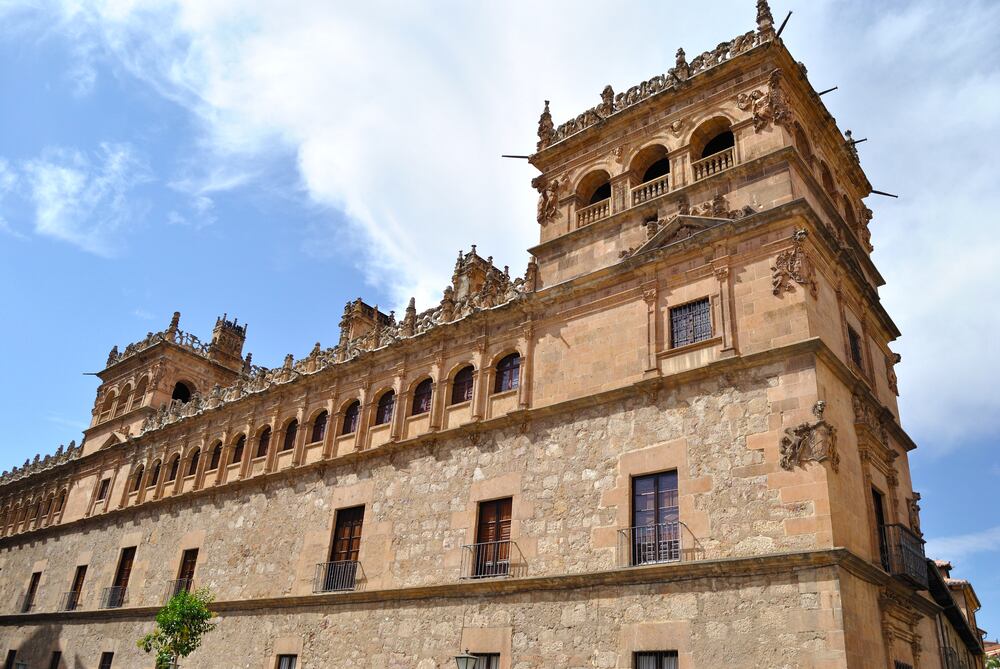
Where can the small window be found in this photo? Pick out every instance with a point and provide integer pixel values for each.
(661, 659)
(422, 395)
(137, 479)
(857, 352)
(263, 441)
(487, 660)
(174, 467)
(351, 415)
(289, 441)
(386, 403)
(508, 371)
(461, 385)
(102, 490)
(690, 323)
(287, 661)
(193, 466)
(60, 501)
(155, 478)
(319, 427)
(106, 659)
(213, 464)
(238, 450)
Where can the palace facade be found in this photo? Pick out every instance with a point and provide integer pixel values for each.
(672, 442)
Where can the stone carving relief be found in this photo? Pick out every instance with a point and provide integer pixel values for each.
(868, 415)
(806, 442)
(767, 107)
(890, 371)
(913, 509)
(717, 207)
(793, 266)
(548, 198)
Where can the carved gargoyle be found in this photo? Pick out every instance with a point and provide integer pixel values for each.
(806, 442)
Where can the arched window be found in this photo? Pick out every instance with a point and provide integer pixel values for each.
(422, 395)
(508, 373)
(46, 506)
(290, 432)
(319, 427)
(175, 465)
(137, 478)
(182, 392)
(213, 462)
(849, 212)
(802, 142)
(123, 400)
(140, 393)
(351, 415)
(193, 467)
(724, 140)
(383, 412)
(711, 147)
(461, 385)
(263, 441)
(108, 406)
(594, 188)
(155, 478)
(827, 179)
(241, 443)
(60, 501)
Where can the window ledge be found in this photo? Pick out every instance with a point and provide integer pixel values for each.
(687, 348)
(458, 405)
(505, 393)
(414, 416)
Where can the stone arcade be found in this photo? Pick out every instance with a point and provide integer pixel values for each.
(673, 441)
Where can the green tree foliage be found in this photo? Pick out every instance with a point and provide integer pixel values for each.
(180, 626)
(993, 663)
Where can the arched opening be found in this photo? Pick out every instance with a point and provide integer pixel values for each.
(711, 147)
(849, 212)
(155, 478)
(288, 443)
(802, 142)
(383, 411)
(193, 466)
(351, 415)
(123, 400)
(137, 478)
(719, 143)
(213, 462)
(422, 395)
(175, 464)
(182, 392)
(140, 393)
(263, 441)
(60, 501)
(508, 371)
(319, 427)
(241, 443)
(649, 164)
(107, 407)
(46, 507)
(826, 178)
(594, 187)
(461, 385)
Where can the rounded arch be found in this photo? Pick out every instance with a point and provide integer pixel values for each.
(154, 478)
(384, 406)
(61, 500)
(710, 137)
(216, 456)
(263, 441)
(849, 216)
(649, 163)
(507, 372)
(139, 394)
(47, 504)
(108, 406)
(193, 460)
(423, 394)
(124, 398)
(239, 445)
(289, 433)
(182, 392)
(137, 478)
(826, 178)
(802, 142)
(594, 187)
(318, 422)
(174, 469)
(352, 415)
(461, 382)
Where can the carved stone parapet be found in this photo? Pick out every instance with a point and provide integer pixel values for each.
(816, 442)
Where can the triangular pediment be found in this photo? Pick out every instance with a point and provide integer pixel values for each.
(678, 229)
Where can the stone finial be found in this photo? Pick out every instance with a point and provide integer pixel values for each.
(113, 355)
(410, 319)
(315, 350)
(248, 363)
(289, 359)
(546, 129)
(175, 322)
(607, 106)
(765, 21)
(72, 445)
(681, 70)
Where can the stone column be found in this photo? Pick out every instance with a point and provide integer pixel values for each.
(728, 326)
(299, 448)
(332, 423)
(527, 346)
(650, 294)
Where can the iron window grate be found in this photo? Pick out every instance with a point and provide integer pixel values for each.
(690, 323)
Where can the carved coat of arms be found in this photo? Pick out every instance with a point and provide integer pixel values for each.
(810, 441)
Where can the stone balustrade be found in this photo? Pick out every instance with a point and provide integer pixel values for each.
(713, 164)
(651, 189)
(593, 213)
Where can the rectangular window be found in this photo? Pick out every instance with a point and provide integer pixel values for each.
(56, 661)
(76, 589)
(29, 596)
(690, 323)
(287, 661)
(106, 659)
(102, 491)
(492, 548)
(857, 351)
(903, 665)
(661, 659)
(341, 571)
(487, 660)
(114, 597)
(11, 658)
(655, 519)
(883, 541)
(185, 576)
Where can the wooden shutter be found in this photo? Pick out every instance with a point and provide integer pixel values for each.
(347, 535)
(125, 567)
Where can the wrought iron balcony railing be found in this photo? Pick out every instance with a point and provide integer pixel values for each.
(657, 544)
(114, 597)
(903, 556)
(70, 600)
(175, 587)
(713, 164)
(337, 576)
(492, 559)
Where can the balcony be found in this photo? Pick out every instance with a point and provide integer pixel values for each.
(70, 600)
(339, 576)
(176, 587)
(114, 597)
(713, 164)
(492, 559)
(657, 544)
(593, 213)
(651, 189)
(903, 555)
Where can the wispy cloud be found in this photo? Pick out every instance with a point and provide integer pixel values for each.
(85, 199)
(8, 180)
(964, 545)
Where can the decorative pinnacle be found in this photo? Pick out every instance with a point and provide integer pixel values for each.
(546, 128)
(765, 21)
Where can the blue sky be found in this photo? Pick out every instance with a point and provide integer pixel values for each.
(206, 156)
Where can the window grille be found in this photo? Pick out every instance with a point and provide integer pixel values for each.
(690, 323)
(287, 661)
(661, 659)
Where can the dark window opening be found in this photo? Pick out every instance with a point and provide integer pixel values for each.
(461, 386)
(422, 397)
(56, 661)
(661, 659)
(487, 660)
(174, 466)
(319, 427)
(181, 392)
(351, 415)
(883, 540)
(508, 372)
(263, 441)
(655, 519)
(492, 549)
(11, 657)
(288, 443)
(658, 169)
(857, 352)
(29, 596)
(213, 463)
(156, 474)
(690, 323)
(193, 466)
(185, 575)
(238, 450)
(106, 659)
(76, 589)
(386, 403)
(603, 192)
(137, 479)
(287, 661)
(721, 142)
(102, 491)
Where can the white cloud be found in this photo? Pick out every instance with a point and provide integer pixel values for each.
(84, 200)
(958, 547)
(8, 180)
